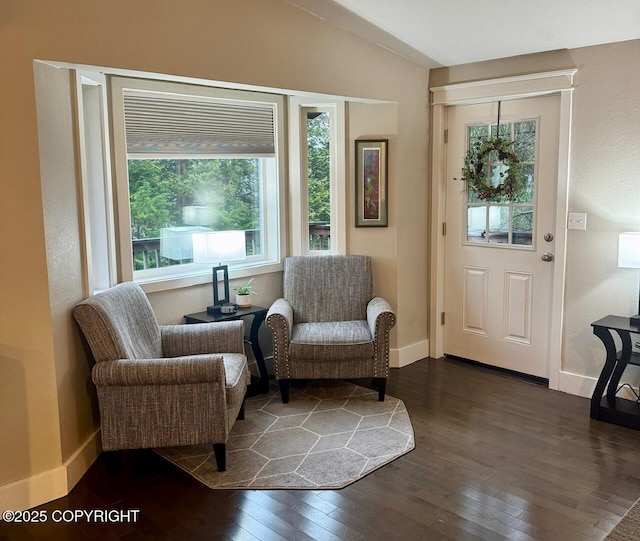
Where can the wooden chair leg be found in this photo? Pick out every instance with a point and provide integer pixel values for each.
(240, 416)
(284, 390)
(220, 451)
(381, 383)
(114, 461)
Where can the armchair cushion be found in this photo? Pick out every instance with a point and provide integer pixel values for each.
(119, 323)
(332, 341)
(328, 288)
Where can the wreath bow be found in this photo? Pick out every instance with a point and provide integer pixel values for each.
(474, 172)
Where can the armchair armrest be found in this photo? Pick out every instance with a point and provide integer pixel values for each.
(381, 320)
(280, 321)
(202, 338)
(280, 316)
(174, 371)
(380, 317)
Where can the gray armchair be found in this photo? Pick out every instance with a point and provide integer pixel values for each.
(162, 386)
(328, 325)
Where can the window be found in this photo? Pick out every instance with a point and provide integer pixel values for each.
(317, 157)
(170, 199)
(192, 159)
(318, 152)
(512, 223)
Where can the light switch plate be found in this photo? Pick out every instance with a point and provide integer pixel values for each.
(577, 220)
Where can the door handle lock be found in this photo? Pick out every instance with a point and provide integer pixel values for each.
(546, 257)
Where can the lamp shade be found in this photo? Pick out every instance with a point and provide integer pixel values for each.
(629, 250)
(197, 215)
(219, 246)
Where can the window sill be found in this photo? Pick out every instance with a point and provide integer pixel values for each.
(152, 285)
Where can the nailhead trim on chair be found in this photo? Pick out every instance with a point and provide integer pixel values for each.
(388, 327)
(276, 350)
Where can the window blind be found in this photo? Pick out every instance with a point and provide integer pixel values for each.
(172, 124)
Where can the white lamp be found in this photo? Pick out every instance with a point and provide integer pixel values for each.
(197, 215)
(218, 247)
(629, 257)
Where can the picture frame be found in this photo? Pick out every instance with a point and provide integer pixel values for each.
(372, 209)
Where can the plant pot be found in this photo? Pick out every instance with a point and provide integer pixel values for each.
(243, 300)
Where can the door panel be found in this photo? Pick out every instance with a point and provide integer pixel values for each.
(498, 290)
(517, 317)
(475, 300)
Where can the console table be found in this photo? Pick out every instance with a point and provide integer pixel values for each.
(605, 406)
(258, 384)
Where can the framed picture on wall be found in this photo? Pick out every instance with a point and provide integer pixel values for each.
(371, 183)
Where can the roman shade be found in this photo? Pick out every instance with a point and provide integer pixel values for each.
(163, 123)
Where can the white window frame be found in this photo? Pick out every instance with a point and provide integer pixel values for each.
(298, 188)
(273, 185)
(94, 160)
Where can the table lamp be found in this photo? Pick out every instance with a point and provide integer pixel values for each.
(629, 257)
(218, 247)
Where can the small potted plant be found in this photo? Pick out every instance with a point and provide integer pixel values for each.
(243, 293)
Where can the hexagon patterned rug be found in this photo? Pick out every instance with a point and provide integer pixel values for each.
(330, 434)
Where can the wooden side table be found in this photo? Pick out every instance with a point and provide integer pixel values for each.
(606, 406)
(258, 384)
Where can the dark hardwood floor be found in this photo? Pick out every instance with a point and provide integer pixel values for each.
(495, 458)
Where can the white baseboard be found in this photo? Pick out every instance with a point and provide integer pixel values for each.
(82, 459)
(35, 490)
(52, 484)
(585, 385)
(576, 384)
(409, 354)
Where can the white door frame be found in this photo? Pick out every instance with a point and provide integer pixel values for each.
(537, 84)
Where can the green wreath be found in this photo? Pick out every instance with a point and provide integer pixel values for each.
(474, 172)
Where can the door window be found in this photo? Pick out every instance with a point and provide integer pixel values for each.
(508, 224)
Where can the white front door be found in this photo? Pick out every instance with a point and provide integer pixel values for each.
(499, 256)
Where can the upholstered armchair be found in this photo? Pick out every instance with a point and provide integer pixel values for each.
(328, 325)
(162, 385)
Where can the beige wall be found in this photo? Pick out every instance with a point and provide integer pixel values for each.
(76, 397)
(44, 398)
(604, 181)
(376, 121)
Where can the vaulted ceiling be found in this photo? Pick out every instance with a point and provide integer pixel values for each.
(451, 32)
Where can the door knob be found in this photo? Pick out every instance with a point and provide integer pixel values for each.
(547, 257)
